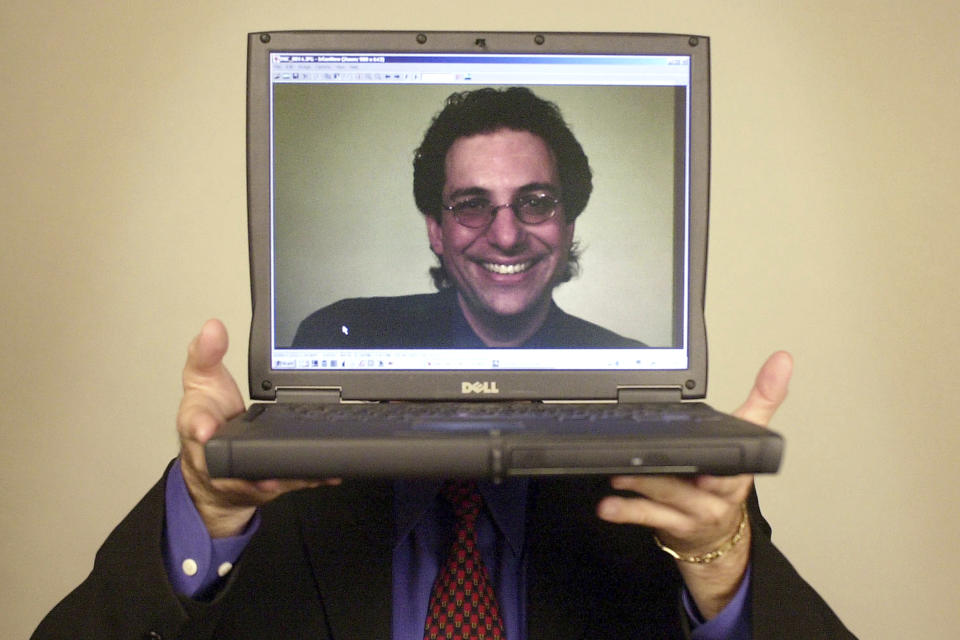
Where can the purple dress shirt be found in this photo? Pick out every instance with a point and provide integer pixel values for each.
(424, 524)
(198, 564)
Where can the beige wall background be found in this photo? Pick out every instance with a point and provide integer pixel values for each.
(834, 234)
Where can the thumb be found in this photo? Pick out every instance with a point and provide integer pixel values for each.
(210, 394)
(206, 351)
(769, 389)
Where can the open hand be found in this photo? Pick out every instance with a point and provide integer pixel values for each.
(210, 398)
(696, 515)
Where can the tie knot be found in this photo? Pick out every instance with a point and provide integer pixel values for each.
(463, 495)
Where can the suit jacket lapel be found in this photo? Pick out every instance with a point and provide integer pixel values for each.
(348, 540)
(552, 612)
(591, 579)
(551, 615)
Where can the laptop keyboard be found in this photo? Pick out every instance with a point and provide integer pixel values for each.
(377, 412)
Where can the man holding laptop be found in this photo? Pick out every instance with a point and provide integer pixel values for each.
(561, 558)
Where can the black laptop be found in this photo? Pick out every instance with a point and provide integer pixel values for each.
(479, 254)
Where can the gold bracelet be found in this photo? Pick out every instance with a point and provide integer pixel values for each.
(717, 553)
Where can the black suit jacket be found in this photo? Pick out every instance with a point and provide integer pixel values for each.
(320, 567)
(434, 321)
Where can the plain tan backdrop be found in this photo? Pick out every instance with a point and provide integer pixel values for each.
(834, 234)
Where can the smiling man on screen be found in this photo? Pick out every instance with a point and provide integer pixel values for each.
(501, 180)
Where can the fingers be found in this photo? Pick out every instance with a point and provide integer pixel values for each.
(730, 488)
(276, 487)
(700, 497)
(243, 493)
(640, 511)
(694, 514)
(769, 389)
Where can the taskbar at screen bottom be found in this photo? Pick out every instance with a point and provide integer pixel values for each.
(478, 359)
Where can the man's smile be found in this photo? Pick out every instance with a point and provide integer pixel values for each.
(506, 269)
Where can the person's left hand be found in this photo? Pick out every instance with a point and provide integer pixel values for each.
(696, 515)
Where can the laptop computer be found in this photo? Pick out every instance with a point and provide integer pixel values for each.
(479, 254)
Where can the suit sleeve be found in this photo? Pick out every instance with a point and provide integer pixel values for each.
(128, 593)
(783, 604)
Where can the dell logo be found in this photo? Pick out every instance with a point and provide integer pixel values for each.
(479, 387)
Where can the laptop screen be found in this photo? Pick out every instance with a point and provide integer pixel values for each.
(428, 211)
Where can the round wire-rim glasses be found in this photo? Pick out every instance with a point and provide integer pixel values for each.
(477, 213)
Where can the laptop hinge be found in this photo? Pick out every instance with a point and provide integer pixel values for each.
(309, 396)
(648, 394)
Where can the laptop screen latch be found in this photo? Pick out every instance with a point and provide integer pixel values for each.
(648, 394)
(309, 396)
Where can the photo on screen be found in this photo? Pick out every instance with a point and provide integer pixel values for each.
(345, 224)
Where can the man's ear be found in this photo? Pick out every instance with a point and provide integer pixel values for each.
(435, 234)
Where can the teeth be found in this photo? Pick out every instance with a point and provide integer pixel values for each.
(506, 269)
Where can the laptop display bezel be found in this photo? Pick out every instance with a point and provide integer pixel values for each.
(266, 381)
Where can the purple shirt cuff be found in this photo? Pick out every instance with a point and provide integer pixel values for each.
(732, 623)
(195, 562)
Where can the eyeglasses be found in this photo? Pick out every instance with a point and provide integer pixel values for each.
(477, 213)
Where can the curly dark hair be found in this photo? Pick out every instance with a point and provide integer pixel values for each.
(484, 111)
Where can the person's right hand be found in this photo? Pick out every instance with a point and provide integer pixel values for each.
(210, 398)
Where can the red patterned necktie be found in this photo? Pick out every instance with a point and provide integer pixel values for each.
(463, 605)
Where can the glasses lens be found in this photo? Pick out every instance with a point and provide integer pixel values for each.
(536, 209)
(473, 213)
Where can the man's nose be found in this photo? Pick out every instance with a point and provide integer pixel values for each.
(505, 231)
